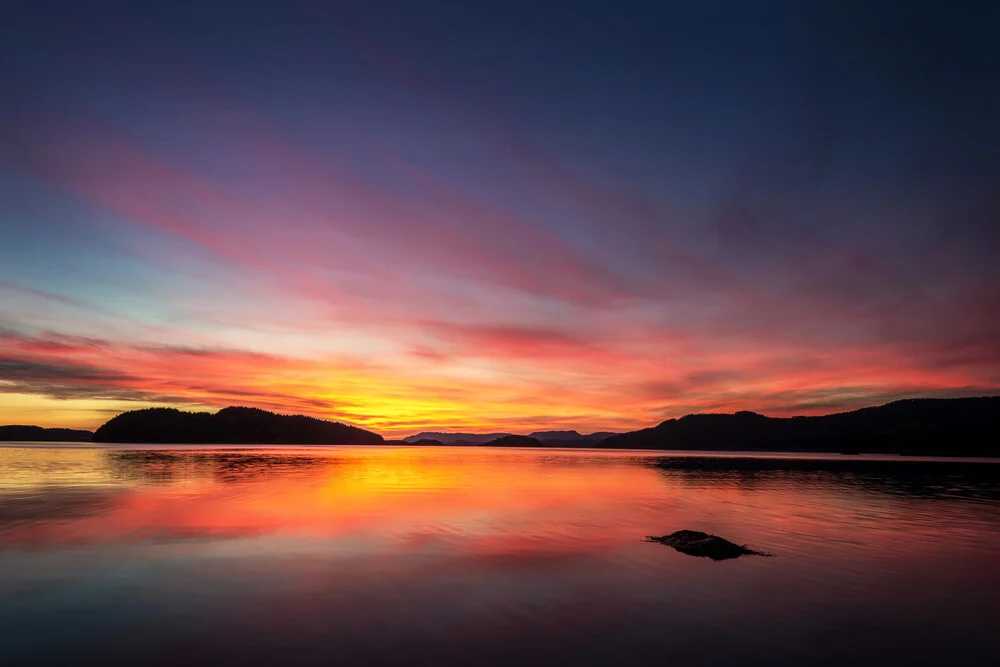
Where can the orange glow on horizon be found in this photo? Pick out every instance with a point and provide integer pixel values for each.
(401, 398)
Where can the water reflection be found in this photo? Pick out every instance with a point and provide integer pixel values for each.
(930, 478)
(164, 466)
(436, 556)
(54, 503)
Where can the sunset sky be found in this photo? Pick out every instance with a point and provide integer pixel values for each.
(496, 215)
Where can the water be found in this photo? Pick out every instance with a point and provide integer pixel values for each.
(443, 556)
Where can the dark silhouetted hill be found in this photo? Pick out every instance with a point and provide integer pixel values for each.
(926, 426)
(570, 438)
(233, 425)
(427, 442)
(21, 433)
(556, 435)
(582, 442)
(515, 441)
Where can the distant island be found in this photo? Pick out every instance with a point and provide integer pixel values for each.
(515, 441)
(454, 438)
(542, 438)
(570, 438)
(923, 426)
(233, 425)
(19, 433)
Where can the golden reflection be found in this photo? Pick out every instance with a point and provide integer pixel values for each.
(317, 491)
(30, 468)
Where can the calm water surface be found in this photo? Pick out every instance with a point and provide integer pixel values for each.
(444, 556)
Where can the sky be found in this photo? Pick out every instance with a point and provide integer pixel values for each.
(496, 215)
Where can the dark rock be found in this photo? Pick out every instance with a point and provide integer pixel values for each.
(695, 543)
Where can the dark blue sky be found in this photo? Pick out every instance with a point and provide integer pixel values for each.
(771, 205)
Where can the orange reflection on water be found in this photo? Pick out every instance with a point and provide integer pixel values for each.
(119, 495)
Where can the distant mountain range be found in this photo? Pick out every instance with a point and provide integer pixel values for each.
(544, 438)
(21, 433)
(233, 425)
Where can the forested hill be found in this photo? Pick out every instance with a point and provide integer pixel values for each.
(233, 425)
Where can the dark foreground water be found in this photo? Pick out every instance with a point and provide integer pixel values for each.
(438, 556)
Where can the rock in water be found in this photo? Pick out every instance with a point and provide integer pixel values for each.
(695, 543)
